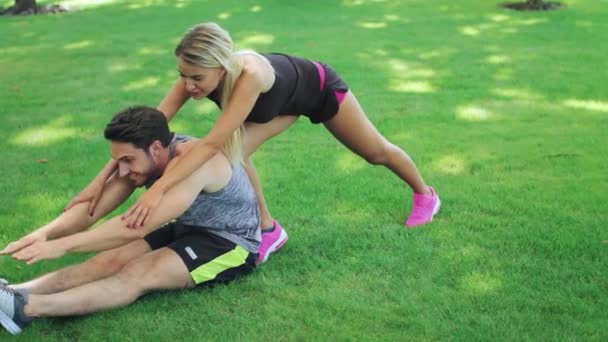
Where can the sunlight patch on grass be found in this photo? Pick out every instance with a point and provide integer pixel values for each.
(78, 45)
(470, 31)
(142, 84)
(586, 24)
(479, 283)
(411, 87)
(400, 137)
(204, 107)
(529, 22)
(498, 59)
(151, 51)
(400, 67)
(15, 50)
(473, 113)
(86, 3)
(470, 251)
(53, 132)
(372, 25)
(476, 30)
(499, 18)
(181, 3)
(391, 17)
(256, 8)
(436, 53)
(255, 40)
(121, 66)
(504, 74)
(450, 164)
(224, 15)
(145, 4)
(349, 161)
(408, 78)
(179, 127)
(599, 106)
(515, 93)
(510, 30)
(381, 52)
(350, 3)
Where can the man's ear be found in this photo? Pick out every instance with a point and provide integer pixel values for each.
(155, 149)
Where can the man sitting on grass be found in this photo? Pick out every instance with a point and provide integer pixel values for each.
(213, 235)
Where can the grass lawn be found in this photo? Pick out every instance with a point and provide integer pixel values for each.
(504, 112)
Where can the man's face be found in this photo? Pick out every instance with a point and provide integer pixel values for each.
(135, 163)
(199, 82)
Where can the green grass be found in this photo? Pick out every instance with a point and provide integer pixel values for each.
(505, 113)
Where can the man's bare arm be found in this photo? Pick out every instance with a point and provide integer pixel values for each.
(115, 232)
(76, 218)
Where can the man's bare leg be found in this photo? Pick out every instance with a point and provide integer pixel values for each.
(98, 267)
(157, 270)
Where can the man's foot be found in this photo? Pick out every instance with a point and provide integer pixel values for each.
(12, 317)
(424, 207)
(272, 241)
(3, 282)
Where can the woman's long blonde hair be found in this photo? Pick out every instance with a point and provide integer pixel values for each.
(207, 45)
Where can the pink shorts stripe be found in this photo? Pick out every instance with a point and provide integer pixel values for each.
(340, 96)
(321, 73)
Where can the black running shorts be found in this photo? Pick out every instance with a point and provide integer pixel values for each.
(210, 259)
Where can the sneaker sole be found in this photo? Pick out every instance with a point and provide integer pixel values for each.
(275, 246)
(9, 324)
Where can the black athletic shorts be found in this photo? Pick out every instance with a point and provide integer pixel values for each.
(210, 259)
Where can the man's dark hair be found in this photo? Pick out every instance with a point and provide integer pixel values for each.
(140, 126)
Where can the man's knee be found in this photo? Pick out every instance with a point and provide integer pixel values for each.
(108, 262)
(139, 271)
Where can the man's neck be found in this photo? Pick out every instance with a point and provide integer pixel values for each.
(163, 161)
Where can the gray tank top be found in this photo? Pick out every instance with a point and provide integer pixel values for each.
(231, 212)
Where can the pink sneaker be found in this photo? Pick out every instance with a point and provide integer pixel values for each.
(271, 242)
(424, 207)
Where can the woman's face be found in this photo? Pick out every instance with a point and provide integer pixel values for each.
(198, 81)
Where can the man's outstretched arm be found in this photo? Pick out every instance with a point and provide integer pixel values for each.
(114, 232)
(77, 218)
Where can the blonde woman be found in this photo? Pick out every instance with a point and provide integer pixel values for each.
(266, 93)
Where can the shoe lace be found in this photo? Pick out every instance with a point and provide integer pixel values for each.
(7, 289)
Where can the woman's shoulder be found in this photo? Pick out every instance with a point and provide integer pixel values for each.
(258, 68)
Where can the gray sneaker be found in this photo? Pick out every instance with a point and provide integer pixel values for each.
(12, 317)
(3, 282)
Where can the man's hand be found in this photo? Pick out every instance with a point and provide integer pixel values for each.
(42, 250)
(92, 193)
(28, 240)
(139, 213)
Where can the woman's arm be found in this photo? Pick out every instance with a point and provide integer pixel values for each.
(171, 103)
(244, 96)
(92, 192)
(113, 233)
(174, 100)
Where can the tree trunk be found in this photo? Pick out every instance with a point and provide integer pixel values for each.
(24, 5)
(535, 3)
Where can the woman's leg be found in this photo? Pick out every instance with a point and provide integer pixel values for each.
(255, 135)
(273, 235)
(352, 127)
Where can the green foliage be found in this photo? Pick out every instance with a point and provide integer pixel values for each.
(505, 114)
